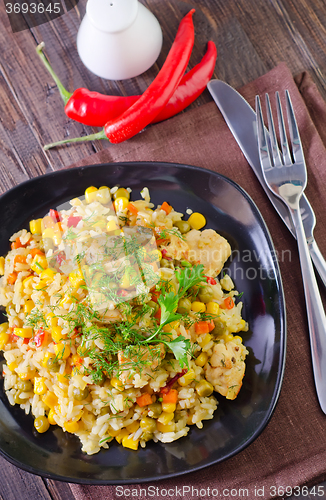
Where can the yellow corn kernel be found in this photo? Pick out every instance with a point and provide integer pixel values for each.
(239, 327)
(237, 337)
(57, 238)
(171, 326)
(39, 263)
(50, 399)
(130, 443)
(12, 366)
(75, 359)
(117, 384)
(24, 333)
(66, 300)
(26, 375)
(51, 417)
(112, 226)
(39, 386)
(28, 306)
(133, 427)
(90, 194)
(4, 337)
(113, 432)
(204, 339)
(197, 220)
(2, 266)
(51, 320)
(213, 308)
(169, 407)
(48, 233)
(47, 275)
(35, 226)
(120, 203)
(165, 427)
(76, 278)
(187, 378)
(165, 418)
(202, 359)
(62, 378)
(71, 426)
(40, 285)
(103, 195)
(62, 351)
(45, 359)
(123, 433)
(28, 282)
(56, 333)
(128, 279)
(198, 307)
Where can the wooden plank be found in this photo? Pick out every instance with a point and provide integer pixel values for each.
(17, 484)
(59, 490)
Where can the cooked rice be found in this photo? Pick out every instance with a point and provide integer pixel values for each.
(89, 392)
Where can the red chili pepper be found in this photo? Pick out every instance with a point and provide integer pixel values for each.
(39, 338)
(170, 383)
(95, 109)
(155, 97)
(210, 280)
(60, 258)
(73, 220)
(54, 214)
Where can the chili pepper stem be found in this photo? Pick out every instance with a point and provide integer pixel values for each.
(65, 95)
(92, 137)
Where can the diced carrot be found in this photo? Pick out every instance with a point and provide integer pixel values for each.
(36, 251)
(144, 400)
(211, 325)
(155, 295)
(12, 278)
(228, 303)
(16, 244)
(166, 207)
(201, 327)
(157, 315)
(21, 259)
(132, 209)
(171, 396)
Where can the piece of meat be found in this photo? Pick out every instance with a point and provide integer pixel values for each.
(208, 248)
(226, 368)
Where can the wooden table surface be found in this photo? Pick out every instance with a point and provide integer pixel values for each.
(252, 36)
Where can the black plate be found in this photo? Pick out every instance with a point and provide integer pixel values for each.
(230, 211)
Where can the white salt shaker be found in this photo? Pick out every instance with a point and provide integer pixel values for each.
(118, 39)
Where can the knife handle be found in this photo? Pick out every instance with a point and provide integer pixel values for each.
(318, 260)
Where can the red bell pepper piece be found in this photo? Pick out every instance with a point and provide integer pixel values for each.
(55, 215)
(39, 338)
(210, 280)
(73, 220)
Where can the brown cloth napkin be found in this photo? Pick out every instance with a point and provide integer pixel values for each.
(291, 451)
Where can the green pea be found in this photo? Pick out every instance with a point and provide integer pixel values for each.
(205, 294)
(184, 306)
(18, 399)
(167, 263)
(219, 327)
(121, 193)
(154, 410)
(53, 365)
(24, 385)
(183, 226)
(80, 394)
(153, 306)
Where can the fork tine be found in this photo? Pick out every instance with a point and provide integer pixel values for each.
(275, 152)
(297, 149)
(261, 137)
(284, 142)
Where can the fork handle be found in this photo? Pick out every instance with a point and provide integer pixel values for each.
(318, 260)
(315, 311)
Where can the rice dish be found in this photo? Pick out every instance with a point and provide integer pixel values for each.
(117, 325)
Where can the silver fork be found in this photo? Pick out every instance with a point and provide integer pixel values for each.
(287, 179)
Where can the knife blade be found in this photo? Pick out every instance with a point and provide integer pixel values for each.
(241, 120)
